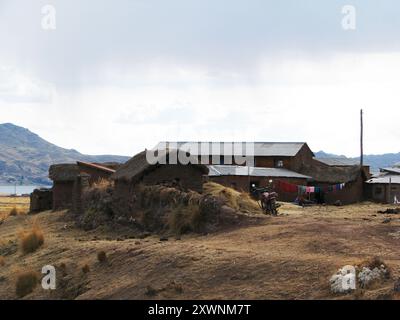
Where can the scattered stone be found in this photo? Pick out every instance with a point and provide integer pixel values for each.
(367, 276)
(387, 220)
(343, 281)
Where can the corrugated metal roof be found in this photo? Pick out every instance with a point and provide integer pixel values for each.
(225, 170)
(386, 179)
(392, 169)
(338, 162)
(283, 149)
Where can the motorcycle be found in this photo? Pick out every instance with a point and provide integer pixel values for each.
(267, 200)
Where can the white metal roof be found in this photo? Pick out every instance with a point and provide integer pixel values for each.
(385, 179)
(392, 170)
(227, 170)
(283, 149)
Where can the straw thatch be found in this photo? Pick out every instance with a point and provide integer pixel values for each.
(332, 175)
(138, 166)
(63, 172)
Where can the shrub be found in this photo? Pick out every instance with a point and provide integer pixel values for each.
(26, 283)
(102, 257)
(13, 212)
(31, 240)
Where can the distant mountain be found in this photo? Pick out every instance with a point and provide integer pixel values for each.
(322, 154)
(25, 157)
(374, 161)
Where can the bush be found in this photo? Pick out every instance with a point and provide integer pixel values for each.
(13, 212)
(31, 240)
(26, 283)
(97, 205)
(102, 257)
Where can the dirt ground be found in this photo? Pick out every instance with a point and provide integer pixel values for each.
(291, 256)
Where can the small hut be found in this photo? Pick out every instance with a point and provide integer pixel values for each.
(70, 179)
(139, 170)
(385, 187)
(324, 175)
(64, 177)
(41, 200)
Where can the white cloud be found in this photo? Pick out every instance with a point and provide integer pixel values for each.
(288, 99)
(16, 87)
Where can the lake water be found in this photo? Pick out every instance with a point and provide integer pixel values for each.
(8, 190)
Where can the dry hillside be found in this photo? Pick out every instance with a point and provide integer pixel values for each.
(291, 256)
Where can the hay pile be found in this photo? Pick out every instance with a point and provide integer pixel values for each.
(236, 200)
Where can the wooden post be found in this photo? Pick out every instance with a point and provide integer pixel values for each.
(390, 190)
(361, 140)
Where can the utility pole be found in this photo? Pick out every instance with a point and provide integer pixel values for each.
(361, 140)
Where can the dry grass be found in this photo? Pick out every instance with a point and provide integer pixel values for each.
(292, 256)
(8, 204)
(103, 184)
(26, 282)
(2, 261)
(183, 219)
(239, 201)
(13, 212)
(32, 239)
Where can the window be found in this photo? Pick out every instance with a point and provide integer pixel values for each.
(378, 190)
(278, 163)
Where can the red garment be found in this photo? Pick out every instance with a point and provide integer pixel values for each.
(287, 187)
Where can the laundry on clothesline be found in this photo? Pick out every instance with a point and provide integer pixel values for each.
(292, 188)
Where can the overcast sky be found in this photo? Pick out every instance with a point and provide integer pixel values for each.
(116, 77)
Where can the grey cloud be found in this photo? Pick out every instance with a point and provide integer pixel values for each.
(136, 34)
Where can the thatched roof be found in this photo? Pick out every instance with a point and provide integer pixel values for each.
(138, 166)
(332, 175)
(63, 172)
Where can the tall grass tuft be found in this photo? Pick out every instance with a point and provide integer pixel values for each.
(32, 239)
(26, 283)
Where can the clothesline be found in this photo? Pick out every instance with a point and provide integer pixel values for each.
(292, 188)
